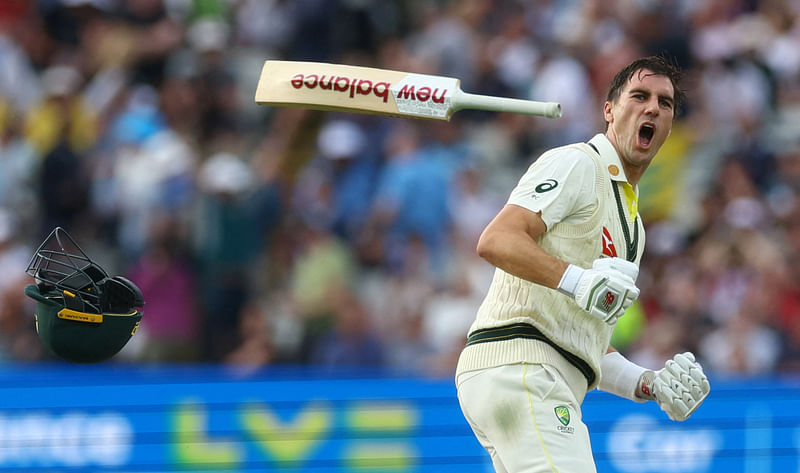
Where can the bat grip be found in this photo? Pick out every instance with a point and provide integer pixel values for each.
(464, 100)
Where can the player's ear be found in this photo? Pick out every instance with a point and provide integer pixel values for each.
(609, 116)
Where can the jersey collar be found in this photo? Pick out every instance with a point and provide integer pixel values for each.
(609, 158)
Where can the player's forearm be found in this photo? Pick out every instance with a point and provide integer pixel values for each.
(620, 376)
(518, 254)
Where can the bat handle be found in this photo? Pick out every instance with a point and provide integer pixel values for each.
(462, 100)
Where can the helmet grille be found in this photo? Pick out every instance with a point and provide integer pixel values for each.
(59, 264)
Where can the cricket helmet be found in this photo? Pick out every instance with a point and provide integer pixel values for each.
(82, 314)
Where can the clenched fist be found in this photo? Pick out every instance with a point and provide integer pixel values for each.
(606, 290)
(679, 387)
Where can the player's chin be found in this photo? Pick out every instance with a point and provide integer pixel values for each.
(643, 156)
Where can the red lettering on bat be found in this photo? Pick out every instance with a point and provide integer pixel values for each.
(384, 93)
(341, 84)
(297, 81)
(311, 81)
(423, 94)
(364, 87)
(328, 85)
(406, 92)
(355, 86)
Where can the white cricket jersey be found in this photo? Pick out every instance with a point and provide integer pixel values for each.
(580, 190)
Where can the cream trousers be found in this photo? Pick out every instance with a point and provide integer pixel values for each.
(527, 418)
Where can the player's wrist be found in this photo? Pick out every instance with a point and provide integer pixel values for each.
(644, 388)
(622, 377)
(570, 279)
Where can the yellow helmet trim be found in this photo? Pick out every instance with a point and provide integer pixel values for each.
(70, 314)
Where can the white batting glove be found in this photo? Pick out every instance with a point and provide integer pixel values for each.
(605, 291)
(679, 388)
(622, 265)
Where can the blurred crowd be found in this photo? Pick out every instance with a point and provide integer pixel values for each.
(271, 235)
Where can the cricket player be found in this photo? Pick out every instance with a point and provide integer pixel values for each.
(566, 248)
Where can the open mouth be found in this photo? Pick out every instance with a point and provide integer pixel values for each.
(646, 132)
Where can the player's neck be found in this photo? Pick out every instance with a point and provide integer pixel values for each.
(633, 170)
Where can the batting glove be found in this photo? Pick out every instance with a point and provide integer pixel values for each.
(605, 291)
(679, 388)
(622, 265)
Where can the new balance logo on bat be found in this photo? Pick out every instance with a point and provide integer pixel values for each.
(354, 86)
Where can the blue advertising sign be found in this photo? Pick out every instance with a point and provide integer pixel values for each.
(744, 426)
(129, 418)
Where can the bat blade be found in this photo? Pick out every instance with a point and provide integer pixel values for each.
(358, 89)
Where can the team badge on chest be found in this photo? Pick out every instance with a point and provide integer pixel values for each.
(608, 244)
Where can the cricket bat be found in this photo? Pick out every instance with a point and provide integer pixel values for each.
(323, 86)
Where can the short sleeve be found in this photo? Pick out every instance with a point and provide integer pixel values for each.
(560, 185)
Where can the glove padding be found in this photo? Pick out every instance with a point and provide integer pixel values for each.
(622, 265)
(679, 388)
(606, 290)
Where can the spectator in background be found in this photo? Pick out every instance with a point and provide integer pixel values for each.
(166, 274)
(62, 130)
(789, 361)
(235, 213)
(336, 187)
(21, 42)
(789, 299)
(255, 347)
(741, 345)
(322, 270)
(350, 341)
(154, 175)
(220, 113)
(62, 118)
(18, 339)
(19, 164)
(412, 200)
(659, 343)
(563, 79)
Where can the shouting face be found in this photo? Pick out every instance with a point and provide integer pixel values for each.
(640, 120)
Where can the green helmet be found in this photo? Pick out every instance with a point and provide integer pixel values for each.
(82, 314)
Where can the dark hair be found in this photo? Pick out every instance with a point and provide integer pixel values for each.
(660, 66)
